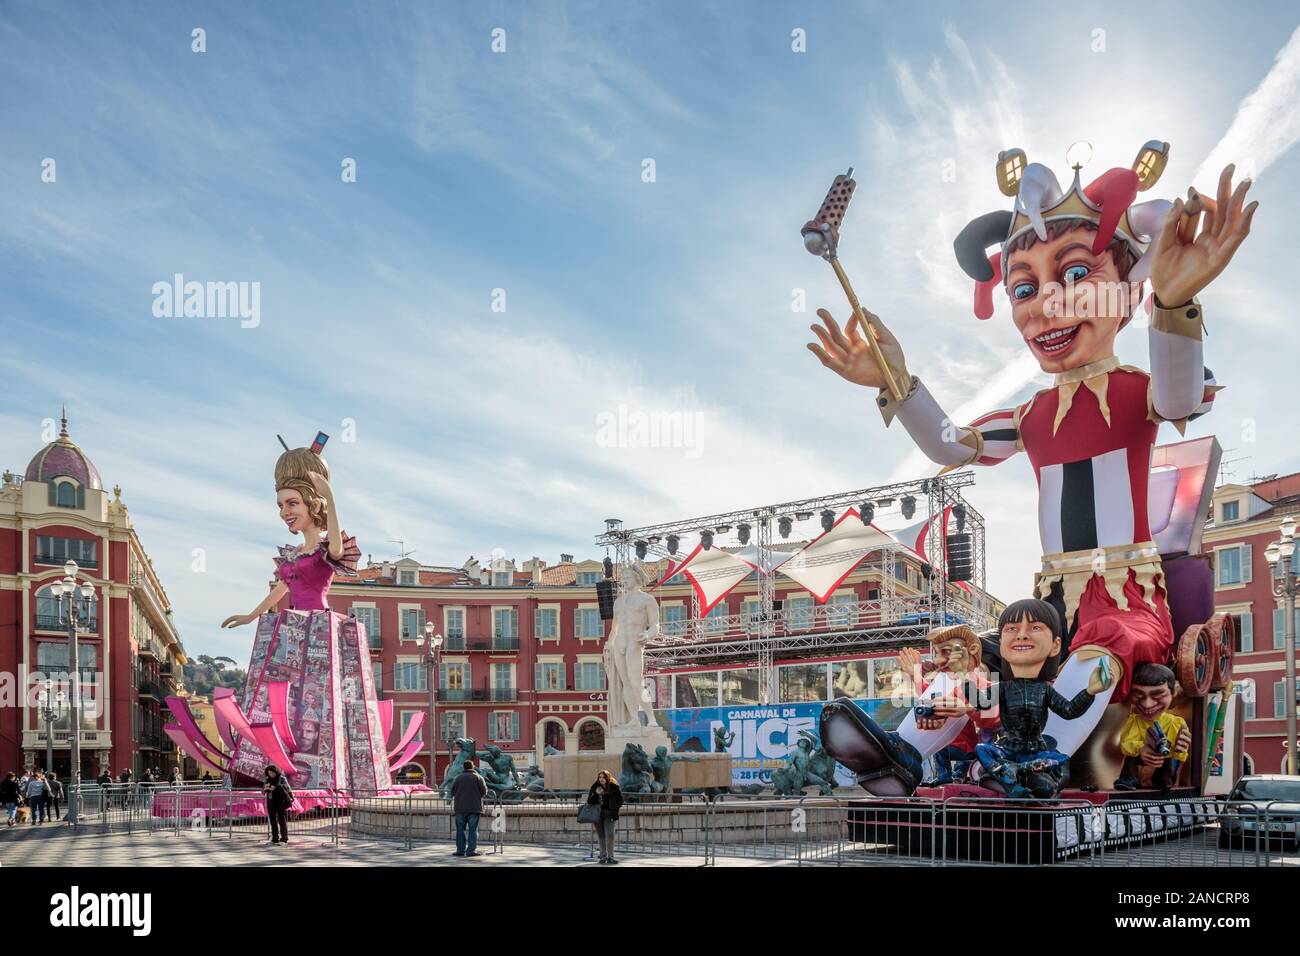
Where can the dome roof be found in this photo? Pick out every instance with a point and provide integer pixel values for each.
(62, 459)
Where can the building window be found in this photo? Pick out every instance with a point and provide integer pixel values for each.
(715, 621)
(546, 622)
(589, 676)
(751, 612)
(587, 579)
(852, 679)
(587, 622)
(1229, 510)
(505, 625)
(453, 627)
(798, 613)
(742, 686)
(369, 618)
(697, 689)
(52, 550)
(408, 578)
(801, 683)
(1247, 691)
(504, 725)
(1279, 697)
(409, 675)
(502, 579)
(48, 609)
(454, 675)
(1279, 629)
(412, 623)
(1244, 626)
(672, 618)
(843, 610)
(451, 725)
(378, 670)
(1233, 565)
(67, 494)
(549, 675)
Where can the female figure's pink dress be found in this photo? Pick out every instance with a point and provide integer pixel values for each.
(330, 705)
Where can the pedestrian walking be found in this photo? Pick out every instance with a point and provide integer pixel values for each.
(37, 797)
(56, 793)
(9, 796)
(279, 796)
(606, 794)
(468, 789)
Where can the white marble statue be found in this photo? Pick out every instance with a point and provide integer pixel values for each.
(636, 620)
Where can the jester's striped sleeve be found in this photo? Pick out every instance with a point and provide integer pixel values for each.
(986, 441)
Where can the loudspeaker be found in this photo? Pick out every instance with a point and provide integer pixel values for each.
(961, 557)
(777, 605)
(605, 598)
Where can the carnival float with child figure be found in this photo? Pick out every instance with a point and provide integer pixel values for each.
(1123, 603)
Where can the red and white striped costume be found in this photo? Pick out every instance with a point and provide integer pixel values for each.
(1089, 439)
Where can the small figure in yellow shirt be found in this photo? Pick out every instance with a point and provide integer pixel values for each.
(1152, 735)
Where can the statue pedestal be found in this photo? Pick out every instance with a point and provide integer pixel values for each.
(648, 737)
(578, 771)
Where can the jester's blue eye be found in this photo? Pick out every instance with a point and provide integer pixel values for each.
(1022, 290)
(1075, 273)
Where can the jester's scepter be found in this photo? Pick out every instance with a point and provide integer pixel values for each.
(821, 237)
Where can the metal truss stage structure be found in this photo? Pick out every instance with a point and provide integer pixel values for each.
(768, 631)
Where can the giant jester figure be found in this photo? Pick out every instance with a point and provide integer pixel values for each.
(1072, 262)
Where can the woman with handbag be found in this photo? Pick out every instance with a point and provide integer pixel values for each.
(603, 802)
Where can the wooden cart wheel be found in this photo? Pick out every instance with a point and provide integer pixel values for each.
(1223, 632)
(1194, 661)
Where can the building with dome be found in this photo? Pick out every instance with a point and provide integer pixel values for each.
(130, 653)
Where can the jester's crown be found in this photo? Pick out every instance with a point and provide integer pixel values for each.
(1106, 202)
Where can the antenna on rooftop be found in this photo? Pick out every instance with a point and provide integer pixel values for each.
(402, 553)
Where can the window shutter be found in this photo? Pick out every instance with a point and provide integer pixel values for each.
(1279, 705)
(1279, 638)
(1245, 564)
(514, 725)
(1247, 635)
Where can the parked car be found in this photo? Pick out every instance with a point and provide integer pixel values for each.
(1262, 804)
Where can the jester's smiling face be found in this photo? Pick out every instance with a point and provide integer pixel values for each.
(1067, 303)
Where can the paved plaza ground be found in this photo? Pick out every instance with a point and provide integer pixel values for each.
(55, 845)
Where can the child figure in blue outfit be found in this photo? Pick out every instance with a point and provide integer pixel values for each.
(1021, 761)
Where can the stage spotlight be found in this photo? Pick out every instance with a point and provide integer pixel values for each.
(722, 528)
(803, 515)
(742, 532)
(640, 550)
(783, 525)
(654, 539)
(706, 539)
(959, 512)
(828, 519)
(908, 506)
(672, 543)
(884, 502)
(866, 511)
(609, 568)
(926, 570)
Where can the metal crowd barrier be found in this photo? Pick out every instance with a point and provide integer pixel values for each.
(842, 830)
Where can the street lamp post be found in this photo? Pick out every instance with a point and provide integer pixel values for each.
(71, 612)
(432, 657)
(1279, 555)
(51, 705)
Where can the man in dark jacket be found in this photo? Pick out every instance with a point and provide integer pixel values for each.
(279, 796)
(9, 796)
(467, 792)
(56, 793)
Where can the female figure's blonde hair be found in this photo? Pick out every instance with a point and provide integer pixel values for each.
(291, 471)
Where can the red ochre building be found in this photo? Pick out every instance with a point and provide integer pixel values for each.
(131, 656)
(1246, 518)
(521, 660)
(522, 667)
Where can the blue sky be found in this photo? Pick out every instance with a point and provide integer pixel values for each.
(522, 171)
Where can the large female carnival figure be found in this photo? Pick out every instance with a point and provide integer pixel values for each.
(309, 704)
(1072, 262)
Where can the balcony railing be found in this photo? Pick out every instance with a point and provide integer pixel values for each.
(149, 689)
(481, 695)
(52, 622)
(455, 642)
(83, 563)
